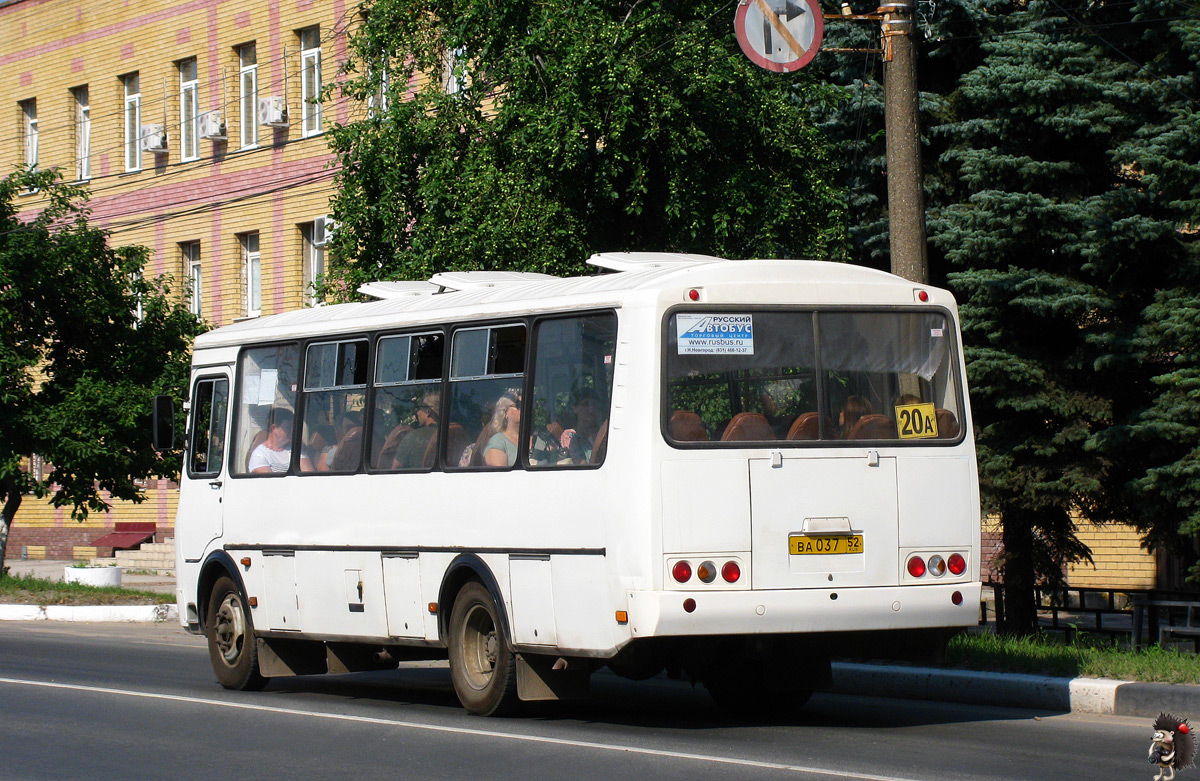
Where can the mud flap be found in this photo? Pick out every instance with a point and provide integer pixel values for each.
(542, 678)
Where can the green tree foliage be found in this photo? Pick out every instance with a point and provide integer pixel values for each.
(526, 136)
(1062, 246)
(78, 367)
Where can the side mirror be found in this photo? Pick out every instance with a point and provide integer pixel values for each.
(163, 423)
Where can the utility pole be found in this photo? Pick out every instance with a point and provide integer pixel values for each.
(906, 200)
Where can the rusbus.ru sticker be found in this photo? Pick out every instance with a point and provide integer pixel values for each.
(715, 334)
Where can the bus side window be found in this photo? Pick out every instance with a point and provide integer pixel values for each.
(335, 382)
(407, 401)
(487, 370)
(267, 378)
(572, 385)
(210, 403)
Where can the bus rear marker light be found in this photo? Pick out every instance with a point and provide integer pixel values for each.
(689, 605)
(956, 597)
(694, 294)
(433, 608)
(622, 617)
(253, 601)
(246, 562)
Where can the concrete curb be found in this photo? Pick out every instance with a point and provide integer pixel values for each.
(1075, 695)
(121, 613)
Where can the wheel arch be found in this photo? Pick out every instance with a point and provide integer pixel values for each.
(463, 569)
(218, 564)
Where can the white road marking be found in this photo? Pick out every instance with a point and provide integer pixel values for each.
(460, 730)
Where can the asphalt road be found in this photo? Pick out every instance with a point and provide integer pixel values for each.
(140, 701)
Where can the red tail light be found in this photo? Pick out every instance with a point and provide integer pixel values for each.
(731, 572)
(957, 564)
(682, 571)
(916, 566)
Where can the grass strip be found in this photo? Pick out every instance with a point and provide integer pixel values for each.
(1042, 655)
(28, 590)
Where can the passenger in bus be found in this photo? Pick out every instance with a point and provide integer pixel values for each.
(577, 442)
(321, 440)
(853, 408)
(501, 448)
(410, 453)
(275, 453)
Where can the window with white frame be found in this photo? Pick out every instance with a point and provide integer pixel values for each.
(190, 250)
(133, 122)
(314, 261)
(310, 79)
(189, 110)
(454, 70)
(83, 133)
(252, 264)
(29, 131)
(248, 84)
(377, 103)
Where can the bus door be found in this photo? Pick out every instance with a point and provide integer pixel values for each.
(200, 517)
(823, 522)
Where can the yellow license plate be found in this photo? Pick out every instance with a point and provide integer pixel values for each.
(825, 544)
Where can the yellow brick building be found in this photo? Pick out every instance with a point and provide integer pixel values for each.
(195, 128)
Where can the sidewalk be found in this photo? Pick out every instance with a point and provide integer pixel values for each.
(1076, 695)
(50, 569)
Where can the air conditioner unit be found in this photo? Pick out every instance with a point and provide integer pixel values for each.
(154, 139)
(323, 228)
(272, 111)
(211, 126)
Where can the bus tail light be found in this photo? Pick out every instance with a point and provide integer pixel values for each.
(682, 572)
(916, 566)
(957, 564)
(731, 572)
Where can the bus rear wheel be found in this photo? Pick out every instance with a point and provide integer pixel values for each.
(232, 646)
(482, 665)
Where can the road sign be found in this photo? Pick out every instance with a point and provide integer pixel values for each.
(779, 35)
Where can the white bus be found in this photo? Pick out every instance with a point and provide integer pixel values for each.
(729, 470)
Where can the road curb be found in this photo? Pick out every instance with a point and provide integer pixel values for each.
(1076, 695)
(116, 613)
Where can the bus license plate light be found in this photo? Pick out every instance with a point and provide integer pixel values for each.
(824, 544)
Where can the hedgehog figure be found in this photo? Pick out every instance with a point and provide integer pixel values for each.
(1172, 747)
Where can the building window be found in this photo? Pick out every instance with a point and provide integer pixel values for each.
(133, 122)
(190, 251)
(189, 110)
(314, 260)
(29, 132)
(252, 263)
(377, 103)
(83, 134)
(454, 70)
(310, 78)
(248, 120)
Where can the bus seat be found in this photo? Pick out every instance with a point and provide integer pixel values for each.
(386, 459)
(600, 443)
(748, 427)
(259, 438)
(808, 426)
(349, 452)
(456, 442)
(873, 427)
(686, 426)
(947, 424)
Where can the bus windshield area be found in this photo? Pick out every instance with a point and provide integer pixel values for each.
(814, 377)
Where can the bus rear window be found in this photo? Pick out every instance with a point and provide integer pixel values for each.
(815, 377)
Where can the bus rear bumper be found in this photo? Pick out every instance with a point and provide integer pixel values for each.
(663, 613)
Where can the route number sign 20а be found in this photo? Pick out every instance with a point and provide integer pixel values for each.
(779, 35)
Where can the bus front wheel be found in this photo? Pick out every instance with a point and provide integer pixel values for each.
(231, 643)
(482, 666)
